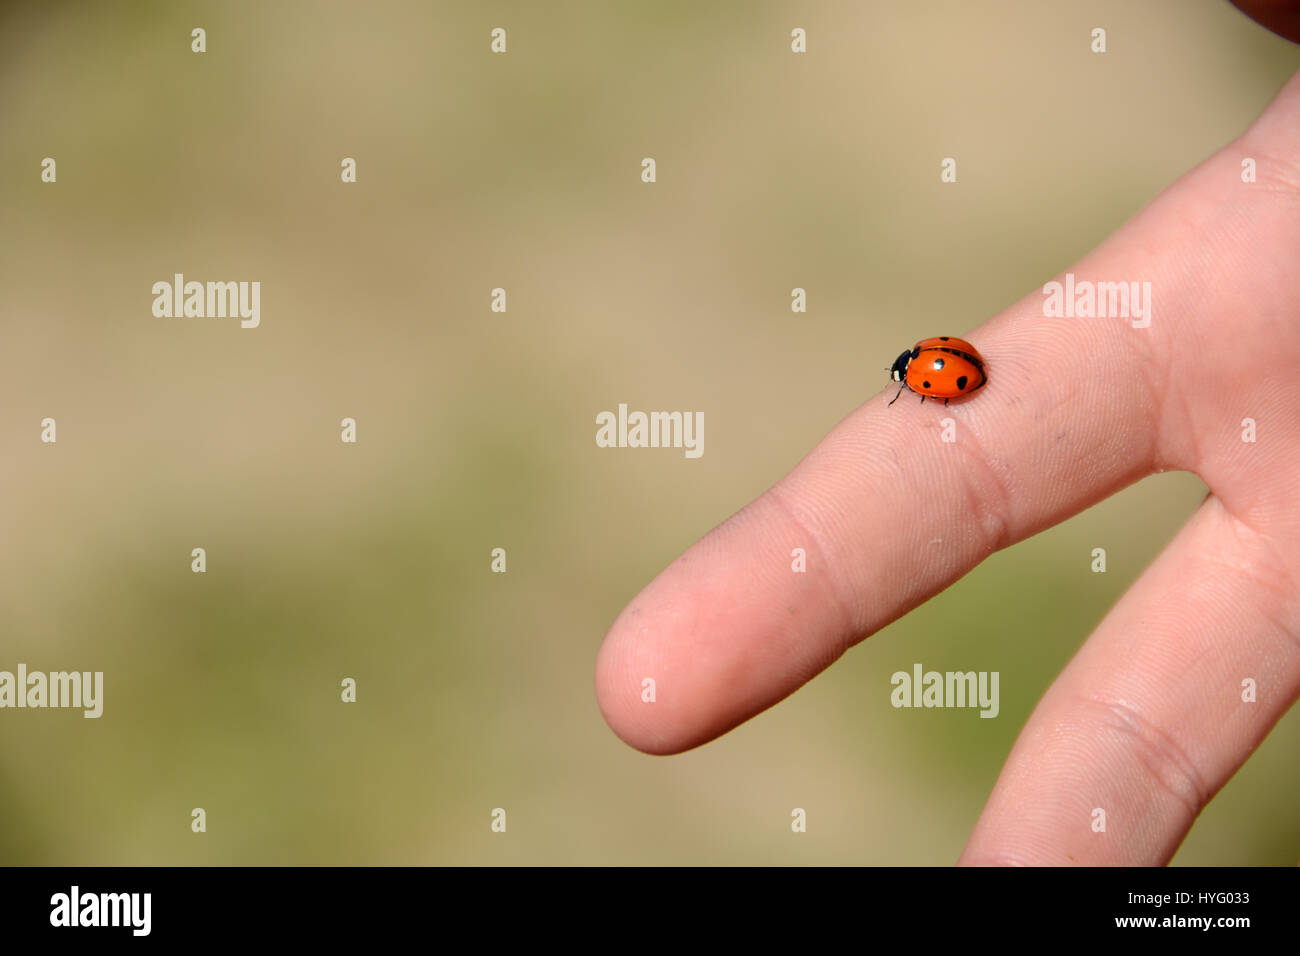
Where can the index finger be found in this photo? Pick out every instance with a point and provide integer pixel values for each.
(889, 513)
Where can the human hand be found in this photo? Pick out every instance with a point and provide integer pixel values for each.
(1147, 719)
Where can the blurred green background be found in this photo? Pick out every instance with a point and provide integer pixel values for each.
(476, 429)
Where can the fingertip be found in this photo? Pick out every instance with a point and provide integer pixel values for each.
(627, 685)
(707, 644)
(627, 677)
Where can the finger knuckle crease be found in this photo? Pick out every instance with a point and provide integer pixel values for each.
(835, 588)
(989, 498)
(1164, 761)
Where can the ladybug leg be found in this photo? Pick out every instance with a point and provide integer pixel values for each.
(945, 401)
(922, 399)
(895, 398)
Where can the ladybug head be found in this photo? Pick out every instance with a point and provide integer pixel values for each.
(899, 371)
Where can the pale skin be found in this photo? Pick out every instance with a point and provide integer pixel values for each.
(1147, 721)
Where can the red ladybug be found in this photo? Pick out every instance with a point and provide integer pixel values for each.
(944, 367)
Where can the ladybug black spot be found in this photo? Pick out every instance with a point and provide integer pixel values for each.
(961, 382)
(925, 384)
(943, 338)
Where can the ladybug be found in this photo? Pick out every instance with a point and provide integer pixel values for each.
(943, 367)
